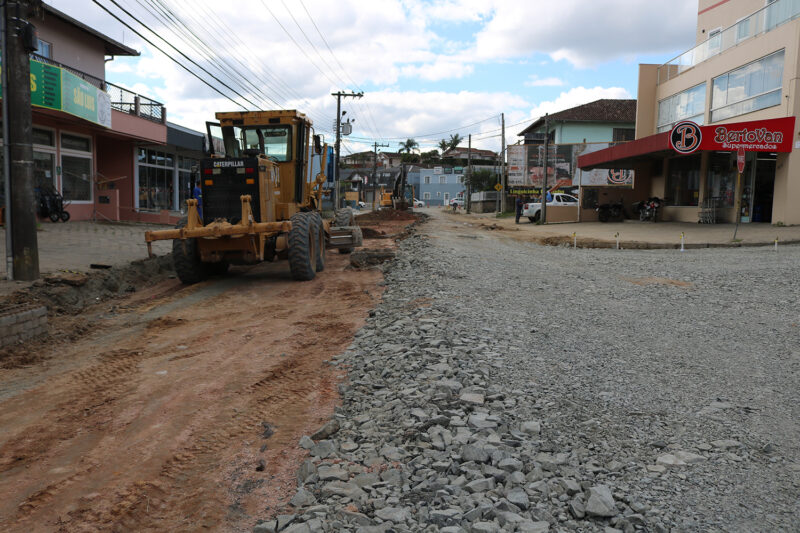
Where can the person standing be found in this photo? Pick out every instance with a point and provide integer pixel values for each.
(197, 194)
(518, 209)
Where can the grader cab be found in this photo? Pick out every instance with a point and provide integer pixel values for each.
(261, 194)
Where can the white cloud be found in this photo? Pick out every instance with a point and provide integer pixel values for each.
(535, 81)
(577, 96)
(587, 33)
(441, 69)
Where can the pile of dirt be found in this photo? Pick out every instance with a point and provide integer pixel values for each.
(68, 293)
(385, 214)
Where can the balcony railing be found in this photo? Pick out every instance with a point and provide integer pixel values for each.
(121, 99)
(762, 21)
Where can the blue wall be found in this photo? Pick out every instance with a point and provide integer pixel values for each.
(437, 191)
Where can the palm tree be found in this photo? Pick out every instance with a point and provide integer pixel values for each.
(408, 146)
(444, 146)
(455, 140)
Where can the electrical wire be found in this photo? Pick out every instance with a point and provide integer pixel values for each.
(148, 41)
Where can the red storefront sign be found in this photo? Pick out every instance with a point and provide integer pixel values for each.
(773, 135)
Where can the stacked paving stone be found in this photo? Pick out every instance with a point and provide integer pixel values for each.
(461, 415)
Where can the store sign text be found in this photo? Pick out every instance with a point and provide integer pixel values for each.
(773, 135)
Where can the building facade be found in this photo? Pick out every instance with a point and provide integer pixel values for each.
(438, 185)
(737, 85)
(110, 153)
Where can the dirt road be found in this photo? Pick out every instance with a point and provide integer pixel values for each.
(182, 409)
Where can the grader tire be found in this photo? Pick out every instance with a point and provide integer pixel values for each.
(344, 217)
(303, 247)
(217, 269)
(186, 259)
(320, 241)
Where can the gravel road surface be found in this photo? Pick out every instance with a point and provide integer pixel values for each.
(506, 386)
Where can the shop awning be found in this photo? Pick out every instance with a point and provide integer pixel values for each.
(773, 135)
(627, 155)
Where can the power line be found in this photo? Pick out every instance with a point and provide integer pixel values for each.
(184, 67)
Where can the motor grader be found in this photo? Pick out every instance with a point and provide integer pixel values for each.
(261, 197)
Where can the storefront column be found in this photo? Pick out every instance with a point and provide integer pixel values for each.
(701, 194)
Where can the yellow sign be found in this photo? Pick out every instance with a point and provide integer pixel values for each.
(498, 187)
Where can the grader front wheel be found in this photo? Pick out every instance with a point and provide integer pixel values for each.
(344, 217)
(186, 259)
(303, 244)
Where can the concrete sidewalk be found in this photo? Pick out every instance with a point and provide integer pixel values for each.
(635, 234)
(74, 246)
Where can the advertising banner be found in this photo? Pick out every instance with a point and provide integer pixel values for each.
(526, 169)
(774, 135)
(55, 88)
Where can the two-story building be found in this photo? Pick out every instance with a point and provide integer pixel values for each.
(716, 129)
(109, 151)
(438, 185)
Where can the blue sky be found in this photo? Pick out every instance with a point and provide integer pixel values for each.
(425, 66)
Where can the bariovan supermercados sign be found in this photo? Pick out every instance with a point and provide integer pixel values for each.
(775, 135)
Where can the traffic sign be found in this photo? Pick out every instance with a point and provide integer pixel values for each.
(498, 187)
(740, 159)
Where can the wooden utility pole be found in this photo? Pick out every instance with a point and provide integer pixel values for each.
(339, 95)
(503, 163)
(543, 218)
(375, 168)
(20, 39)
(469, 175)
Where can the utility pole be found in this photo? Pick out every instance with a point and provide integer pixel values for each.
(543, 218)
(375, 167)
(469, 175)
(503, 163)
(20, 40)
(339, 95)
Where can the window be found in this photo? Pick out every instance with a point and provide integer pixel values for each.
(45, 49)
(43, 137)
(76, 167)
(683, 181)
(623, 134)
(743, 29)
(426, 196)
(461, 179)
(184, 179)
(438, 194)
(43, 163)
(687, 105)
(427, 180)
(157, 181)
(721, 178)
(714, 41)
(446, 196)
(277, 141)
(749, 88)
(442, 179)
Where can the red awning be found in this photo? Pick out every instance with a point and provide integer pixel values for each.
(771, 135)
(626, 155)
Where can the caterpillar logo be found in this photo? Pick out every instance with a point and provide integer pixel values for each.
(685, 137)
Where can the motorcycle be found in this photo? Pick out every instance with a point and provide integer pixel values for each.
(648, 209)
(607, 212)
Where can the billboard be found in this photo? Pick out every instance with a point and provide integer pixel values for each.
(526, 168)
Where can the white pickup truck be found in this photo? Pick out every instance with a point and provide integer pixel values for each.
(534, 210)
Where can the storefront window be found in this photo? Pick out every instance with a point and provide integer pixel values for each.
(157, 180)
(184, 179)
(76, 177)
(683, 181)
(43, 137)
(721, 178)
(687, 105)
(43, 170)
(754, 86)
(76, 167)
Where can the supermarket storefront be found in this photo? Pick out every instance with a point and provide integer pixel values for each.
(742, 171)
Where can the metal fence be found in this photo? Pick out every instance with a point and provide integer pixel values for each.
(121, 98)
(762, 21)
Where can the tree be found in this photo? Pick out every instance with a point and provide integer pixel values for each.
(454, 141)
(481, 180)
(408, 146)
(429, 157)
(444, 145)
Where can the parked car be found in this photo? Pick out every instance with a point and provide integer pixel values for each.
(458, 201)
(533, 210)
(418, 203)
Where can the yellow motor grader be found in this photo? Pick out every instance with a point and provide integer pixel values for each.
(261, 193)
